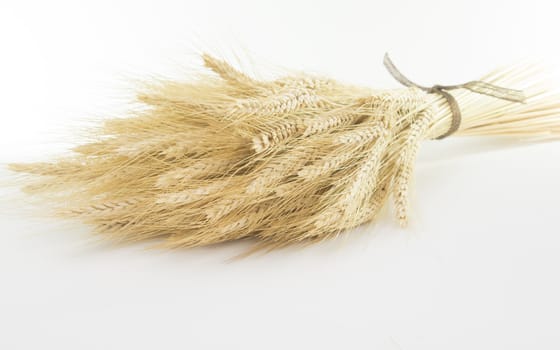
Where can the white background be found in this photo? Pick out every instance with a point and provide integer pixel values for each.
(477, 268)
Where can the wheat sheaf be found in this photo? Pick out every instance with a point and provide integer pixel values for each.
(298, 159)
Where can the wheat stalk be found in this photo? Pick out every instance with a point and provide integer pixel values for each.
(282, 102)
(329, 120)
(228, 73)
(279, 133)
(297, 159)
(405, 165)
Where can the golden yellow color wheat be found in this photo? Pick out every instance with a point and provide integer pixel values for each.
(293, 160)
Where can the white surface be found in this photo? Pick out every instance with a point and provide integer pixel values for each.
(477, 269)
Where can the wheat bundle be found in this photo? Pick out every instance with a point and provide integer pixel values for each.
(293, 160)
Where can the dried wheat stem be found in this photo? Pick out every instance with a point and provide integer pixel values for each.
(234, 229)
(113, 227)
(180, 149)
(280, 132)
(228, 73)
(319, 84)
(334, 219)
(291, 160)
(273, 172)
(405, 165)
(326, 165)
(197, 170)
(364, 181)
(284, 102)
(102, 208)
(192, 194)
(141, 147)
(360, 134)
(329, 120)
(223, 207)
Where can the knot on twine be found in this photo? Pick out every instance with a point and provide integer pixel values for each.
(477, 86)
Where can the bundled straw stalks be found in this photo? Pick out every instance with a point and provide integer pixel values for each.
(294, 160)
